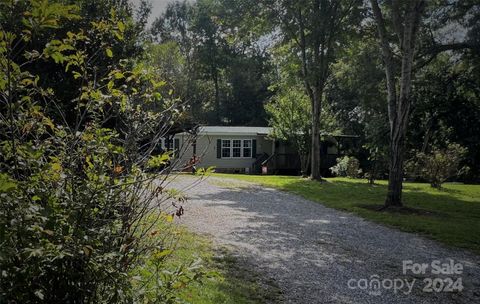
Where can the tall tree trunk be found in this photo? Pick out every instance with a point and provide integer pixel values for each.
(398, 107)
(304, 153)
(395, 176)
(428, 134)
(315, 173)
(314, 92)
(217, 96)
(304, 164)
(398, 132)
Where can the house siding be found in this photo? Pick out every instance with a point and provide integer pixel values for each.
(206, 150)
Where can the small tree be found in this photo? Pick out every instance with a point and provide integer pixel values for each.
(437, 166)
(377, 162)
(290, 114)
(315, 32)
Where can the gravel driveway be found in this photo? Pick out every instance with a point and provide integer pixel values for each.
(320, 255)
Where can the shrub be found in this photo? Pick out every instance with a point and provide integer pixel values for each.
(437, 166)
(74, 193)
(347, 166)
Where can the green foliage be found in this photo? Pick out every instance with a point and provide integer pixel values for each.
(347, 166)
(290, 116)
(165, 272)
(41, 27)
(357, 96)
(289, 109)
(447, 108)
(437, 166)
(289, 112)
(76, 204)
(205, 172)
(159, 161)
(220, 278)
(213, 61)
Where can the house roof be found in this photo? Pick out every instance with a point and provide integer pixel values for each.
(223, 130)
(248, 131)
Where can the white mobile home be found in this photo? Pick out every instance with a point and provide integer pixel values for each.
(246, 150)
(228, 149)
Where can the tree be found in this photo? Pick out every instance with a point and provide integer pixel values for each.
(447, 109)
(356, 94)
(247, 81)
(406, 20)
(399, 38)
(289, 111)
(78, 209)
(90, 11)
(224, 74)
(316, 30)
(213, 47)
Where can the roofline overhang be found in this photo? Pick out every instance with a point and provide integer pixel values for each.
(226, 134)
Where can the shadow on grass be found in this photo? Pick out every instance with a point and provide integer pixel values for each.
(229, 279)
(450, 215)
(443, 215)
(242, 284)
(314, 250)
(339, 193)
(399, 210)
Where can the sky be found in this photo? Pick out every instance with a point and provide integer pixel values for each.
(449, 34)
(158, 6)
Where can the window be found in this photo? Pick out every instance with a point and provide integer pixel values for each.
(226, 148)
(236, 148)
(247, 148)
(165, 144)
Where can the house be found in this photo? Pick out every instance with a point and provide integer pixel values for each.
(228, 149)
(244, 150)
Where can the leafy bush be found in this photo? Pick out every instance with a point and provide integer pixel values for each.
(75, 195)
(437, 166)
(347, 166)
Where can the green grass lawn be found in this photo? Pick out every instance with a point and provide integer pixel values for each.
(220, 277)
(232, 282)
(450, 215)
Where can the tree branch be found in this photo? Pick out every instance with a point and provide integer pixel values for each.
(438, 48)
(389, 63)
(433, 51)
(397, 20)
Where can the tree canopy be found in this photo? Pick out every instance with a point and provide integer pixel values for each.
(225, 58)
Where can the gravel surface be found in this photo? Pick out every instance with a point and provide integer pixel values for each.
(313, 252)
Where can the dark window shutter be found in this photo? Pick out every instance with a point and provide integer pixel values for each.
(254, 148)
(219, 148)
(176, 146)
